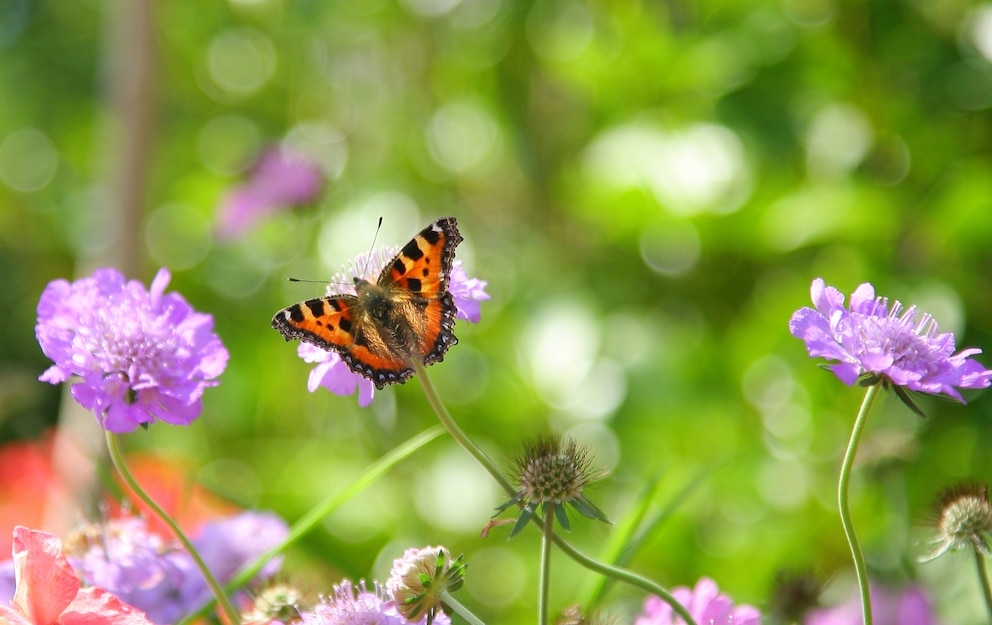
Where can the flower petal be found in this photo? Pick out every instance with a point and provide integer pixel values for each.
(96, 606)
(46, 584)
(900, 346)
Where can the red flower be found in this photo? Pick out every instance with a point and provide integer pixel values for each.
(49, 593)
(34, 492)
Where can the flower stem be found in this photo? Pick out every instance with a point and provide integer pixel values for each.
(624, 575)
(544, 595)
(456, 432)
(843, 484)
(460, 609)
(592, 564)
(983, 578)
(118, 459)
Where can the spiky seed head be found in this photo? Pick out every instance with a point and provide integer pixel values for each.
(964, 517)
(552, 469)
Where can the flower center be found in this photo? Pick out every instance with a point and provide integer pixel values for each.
(914, 346)
(123, 340)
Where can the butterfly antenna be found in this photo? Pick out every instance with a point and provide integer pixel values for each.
(368, 257)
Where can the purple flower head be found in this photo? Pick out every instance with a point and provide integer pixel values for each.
(704, 602)
(900, 347)
(468, 293)
(142, 355)
(333, 373)
(360, 606)
(126, 558)
(8, 581)
(280, 178)
(136, 565)
(230, 543)
(908, 606)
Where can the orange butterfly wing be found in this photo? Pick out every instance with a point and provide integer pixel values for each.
(418, 277)
(407, 313)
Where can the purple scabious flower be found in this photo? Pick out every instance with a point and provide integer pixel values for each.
(8, 581)
(906, 606)
(143, 355)
(127, 559)
(333, 373)
(468, 293)
(704, 602)
(280, 178)
(895, 346)
(351, 605)
(226, 545)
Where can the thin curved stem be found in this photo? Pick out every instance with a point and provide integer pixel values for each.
(617, 573)
(456, 432)
(544, 594)
(460, 609)
(118, 459)
(843, 485)
(983, 578)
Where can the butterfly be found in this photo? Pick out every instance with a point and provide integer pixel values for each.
(406, 314)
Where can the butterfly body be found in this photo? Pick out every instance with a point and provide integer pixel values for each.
(406, 315)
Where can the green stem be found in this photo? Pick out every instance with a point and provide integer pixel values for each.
(330, 503)
(843, 485)
(460, 609)
(624, 575)
(118, 459)
(544, 595)
(602, 568)
(983, 578)
(456, 432)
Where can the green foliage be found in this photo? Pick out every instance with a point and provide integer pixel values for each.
(649, 189)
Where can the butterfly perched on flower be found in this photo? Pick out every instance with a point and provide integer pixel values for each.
(406, 315)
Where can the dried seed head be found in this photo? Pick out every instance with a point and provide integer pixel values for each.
(553, 473)
(964, 517)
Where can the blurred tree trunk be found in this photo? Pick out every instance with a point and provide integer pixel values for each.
(125, 151)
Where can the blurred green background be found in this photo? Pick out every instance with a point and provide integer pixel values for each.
(648, 187)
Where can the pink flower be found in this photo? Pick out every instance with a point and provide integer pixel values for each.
(704, 602)
(905, 606)
(49, 593)
(281, 178)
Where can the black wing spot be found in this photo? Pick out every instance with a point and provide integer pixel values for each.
(412, 251)
(316, 306)
(295, 313)
(345, 325)
(432, 235)
(413, 284)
